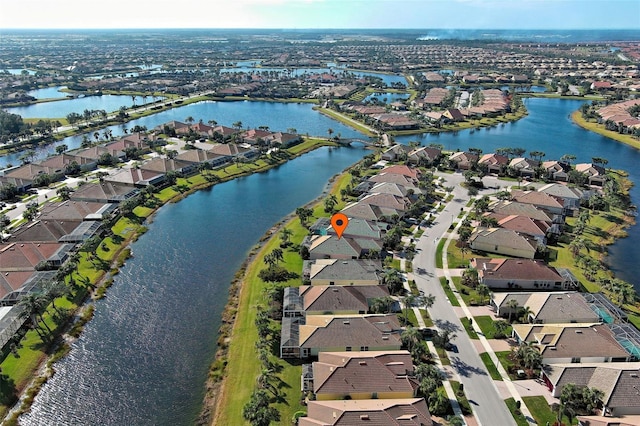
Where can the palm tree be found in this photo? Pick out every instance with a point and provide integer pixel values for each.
(329, 203)
(411, 337)
(33, 304)
(512, 304)
(54, 289)
(576, 246)
(189, 119)
(525, 313)
(285, 236)
(483, 291)
(330, 132)
(237, 125)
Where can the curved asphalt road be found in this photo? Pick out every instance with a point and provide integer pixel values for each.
(484, 397)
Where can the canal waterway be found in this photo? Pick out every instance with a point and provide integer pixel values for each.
(143, 359)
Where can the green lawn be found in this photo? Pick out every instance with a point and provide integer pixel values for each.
(426, 318)
(491, 367)
(485, 322)
(461, 397)
(456, 258)
(540, 409)
(519, 418)
(503, 357)
(449, 292)
(439, 250)
(467, 326)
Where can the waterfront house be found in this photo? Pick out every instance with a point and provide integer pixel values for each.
(495, 163)
(519, 274)
(396, 152)
(29, 255)
(571, 196)
(524, 167)
(526, 226)
(572, 343)
(15, 284)
(358, 272)
(363, 375)
(501, 209)
(327, 333)
(388, 412)
(364, 211)
(136, 177)
(503, 241)
(163, 165)
(596, 175)
(356, 228)
(76, 211)
(64, 162)
(104, 192)
(555, 170)
(331, 247)
(548, 203)
(618, 381)
(406, 181)
(424, 155)
(305, 337)
(463, 160)
(330, 300)
(407, 171)
(547, 307)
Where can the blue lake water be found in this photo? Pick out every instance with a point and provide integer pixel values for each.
(388, 97)
(48, 93)
(143, 359)
(60, 109)
(18, 71)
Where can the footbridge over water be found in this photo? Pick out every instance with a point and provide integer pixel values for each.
(374, 142)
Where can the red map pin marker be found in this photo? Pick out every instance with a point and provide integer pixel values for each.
(339, 222)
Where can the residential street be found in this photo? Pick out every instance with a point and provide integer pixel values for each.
(483, 395)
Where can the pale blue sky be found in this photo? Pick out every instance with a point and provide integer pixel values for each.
(481, 14)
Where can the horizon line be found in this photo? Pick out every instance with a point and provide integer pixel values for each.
(316, 29)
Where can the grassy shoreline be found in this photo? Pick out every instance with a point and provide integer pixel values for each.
(236, 367)
(577, 118)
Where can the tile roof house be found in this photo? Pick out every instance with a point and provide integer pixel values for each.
(501, 209)
(402, 170)
(136, 177)
(334, 300)
(524, 166)
(330, 247)
(389, 188)
(26, 256)
(503, 241)
(356, 228)
(548, 307)
(344, 272)
(542, 200)
(15, 284)
(526, 226)
(327, 333)
(424, 155)
(364, 211)
(570, 196)
(618, 381)
(572, 343)
(518, 274)
(231, 150)
(364, 375)
(495, 163)
(556, 170)
(463, 160)
(76, 210)
(395, 152)
(164, 165)
(60, 162)
(104, 192)
(387, 412)
(406, 181)
(389, 203)
(596, 175)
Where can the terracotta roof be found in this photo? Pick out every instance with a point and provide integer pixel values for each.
(347, 373)
(321, 331)
(523, 269)
(338, 298)
(370, 412)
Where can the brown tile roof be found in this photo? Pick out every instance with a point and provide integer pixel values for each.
(337, 298)
(347, 373)
(322, 331)
(24, 256)
(524, 225)
(402, 170)
(523, 269)
(370, 412)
